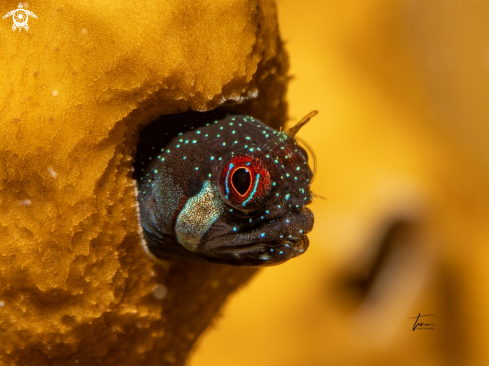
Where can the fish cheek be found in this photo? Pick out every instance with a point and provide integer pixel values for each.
(168, 196)
(160, 198)
(197, 216)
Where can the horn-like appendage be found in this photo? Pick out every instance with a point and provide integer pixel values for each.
(290, 133)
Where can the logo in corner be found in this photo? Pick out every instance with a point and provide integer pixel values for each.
(20, 17)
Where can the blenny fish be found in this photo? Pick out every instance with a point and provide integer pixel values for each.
(223, 187)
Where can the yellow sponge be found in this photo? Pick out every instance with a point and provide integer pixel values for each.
(76, 286)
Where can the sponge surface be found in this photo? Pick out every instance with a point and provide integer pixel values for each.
(76, 286)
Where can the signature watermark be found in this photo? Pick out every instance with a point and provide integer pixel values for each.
(419, 325)
(20, 17)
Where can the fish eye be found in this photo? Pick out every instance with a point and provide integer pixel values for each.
(241, 180)
(245, 182)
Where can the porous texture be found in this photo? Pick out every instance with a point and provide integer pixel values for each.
(76, 286)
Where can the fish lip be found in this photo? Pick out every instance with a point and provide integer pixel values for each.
(254, 248)
(304, 220)
(264, 253)
(294, 243)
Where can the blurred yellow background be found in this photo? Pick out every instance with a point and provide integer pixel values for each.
(403, 165)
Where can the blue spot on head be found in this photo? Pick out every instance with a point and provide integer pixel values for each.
(262, 235)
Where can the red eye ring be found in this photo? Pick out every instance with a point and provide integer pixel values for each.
(245, 182)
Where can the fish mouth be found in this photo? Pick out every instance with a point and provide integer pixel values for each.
(265, 246)
(268, 253)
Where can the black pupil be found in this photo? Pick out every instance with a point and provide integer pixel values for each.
(241, 180)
